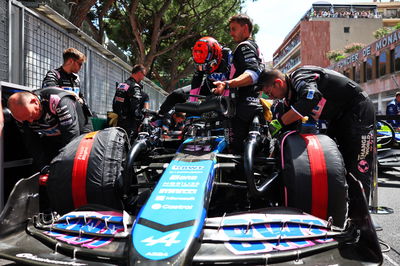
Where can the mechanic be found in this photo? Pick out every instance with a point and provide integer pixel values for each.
(246, 67)
(393, 108)
(212, 62)
(48, 119)
(328, 95)
(173, 122)
(130, 100)
(66, 77)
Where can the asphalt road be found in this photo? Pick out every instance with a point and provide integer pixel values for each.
(389, 232)
(387, 222)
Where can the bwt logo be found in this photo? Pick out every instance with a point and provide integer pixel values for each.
(187, 167)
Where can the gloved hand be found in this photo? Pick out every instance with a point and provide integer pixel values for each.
(274, 127)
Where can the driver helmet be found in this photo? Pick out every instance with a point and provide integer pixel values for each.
(207, 54)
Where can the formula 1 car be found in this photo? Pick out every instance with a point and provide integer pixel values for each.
(388, 147)
(191, 202)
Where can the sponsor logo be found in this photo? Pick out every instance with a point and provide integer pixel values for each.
(187, 167)
(252, 99)
(30, 256)
(182, 177)
(177, 191)
(166, 240)
(157, 254)
(181, 184)
(363, 166)
(162, 198)
(82, 156)
(218, 76)
(158, 206)
(310, 94)
(47, 116)
(366, 146)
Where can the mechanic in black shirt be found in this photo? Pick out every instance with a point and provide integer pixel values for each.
(130, 100)
(245, 69)
(212, 62)
(173, 123)
(49, 119)
(328, 95)
(66, 77)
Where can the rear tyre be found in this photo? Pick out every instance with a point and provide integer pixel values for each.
(315, 177)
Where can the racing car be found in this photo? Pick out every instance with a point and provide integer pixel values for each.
(388, 152)
(191, 201)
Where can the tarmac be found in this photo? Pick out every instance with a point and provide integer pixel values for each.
(387, 215)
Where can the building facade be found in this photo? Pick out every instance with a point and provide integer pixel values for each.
(377, 68)
(324, 28)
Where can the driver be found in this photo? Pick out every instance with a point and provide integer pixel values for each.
(212, 63)
(326, 94)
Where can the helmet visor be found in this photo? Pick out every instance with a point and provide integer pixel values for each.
(208, 67)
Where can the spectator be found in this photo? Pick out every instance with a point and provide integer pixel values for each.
(130, 100)
(393, 108)
(328, 95)
(247, 66)
(49, 119)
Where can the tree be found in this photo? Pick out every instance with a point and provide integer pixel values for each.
(160, 34)
(157, 33)
(79, 10)
(93, 12)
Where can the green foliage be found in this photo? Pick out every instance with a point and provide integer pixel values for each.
(180, 26)
(353, 47)
(379, 33)
(335, 55)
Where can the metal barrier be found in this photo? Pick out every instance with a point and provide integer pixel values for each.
(32, 42)
(374, 207)
(1, 158)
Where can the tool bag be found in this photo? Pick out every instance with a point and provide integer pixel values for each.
(88, 171)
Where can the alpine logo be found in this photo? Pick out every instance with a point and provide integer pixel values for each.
(187, 167)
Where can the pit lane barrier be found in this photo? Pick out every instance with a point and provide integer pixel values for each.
(374, 208)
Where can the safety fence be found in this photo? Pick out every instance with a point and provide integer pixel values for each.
(32, 42)
(4, 18)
